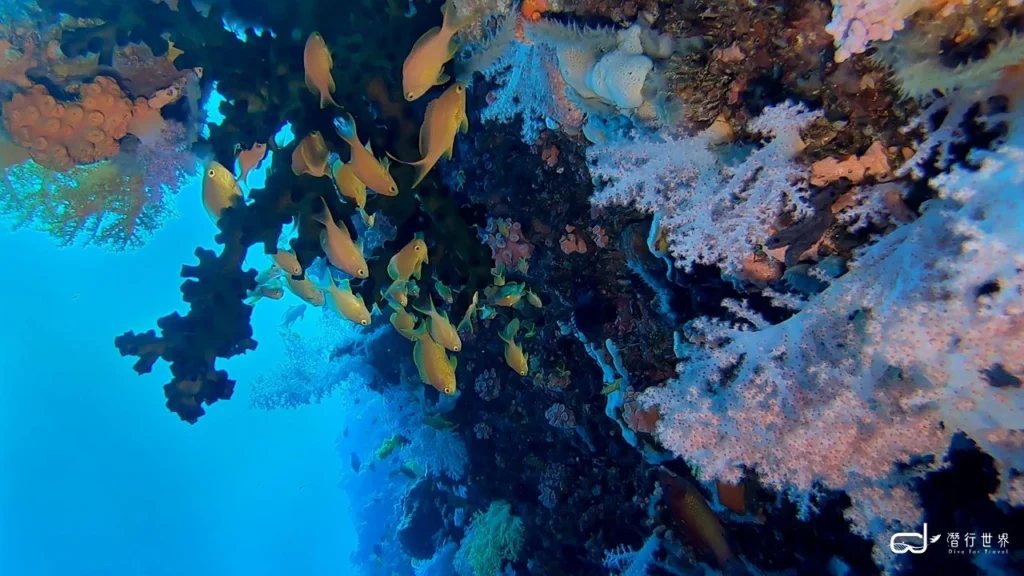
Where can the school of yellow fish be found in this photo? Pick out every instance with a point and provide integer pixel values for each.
(431, 331)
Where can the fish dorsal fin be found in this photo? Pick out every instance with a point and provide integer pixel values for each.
(426, 37)
(299, 161)
(425, 134)
(508, 334)
(343, 228)
(369, 147)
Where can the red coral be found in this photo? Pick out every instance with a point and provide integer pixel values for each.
(636, 418)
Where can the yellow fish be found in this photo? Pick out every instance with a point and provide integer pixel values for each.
(466, 325)
(287, 261)
(249, 159)
(404, 322)
(350, 187)
(349, 305)
(444, 117)
(220, 190)
(272, 292)
(306, 290)
(365, 165)
(317, 61)
(274, 271)
(444, 292)
(441, 329)
(337, 244)
(310, 156)
(533, 299)
(409, 261)
(396, 293)
(432, 362)
(514, 356)
(424, 66)
(507, 295)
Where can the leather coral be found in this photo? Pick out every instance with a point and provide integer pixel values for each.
(61, 135)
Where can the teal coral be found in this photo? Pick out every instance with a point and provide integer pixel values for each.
(493, 537)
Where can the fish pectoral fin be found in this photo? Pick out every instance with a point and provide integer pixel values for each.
(453, 49)
(464, 125)
(309, 84)
(447, 154)
(454, 362)
(442, 79)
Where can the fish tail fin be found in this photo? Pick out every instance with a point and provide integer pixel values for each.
(419, 332)
(326, 98)
(322, 218)
(449, 14)
(346, 127)
(451, 20)
(397, 159)
(421, 166)
(425, 310)
(508, 334)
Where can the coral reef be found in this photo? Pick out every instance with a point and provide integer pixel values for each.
(767, 279)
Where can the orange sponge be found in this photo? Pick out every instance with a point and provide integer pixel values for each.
(61, 135)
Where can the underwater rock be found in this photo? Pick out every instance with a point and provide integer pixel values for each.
(217, 325)
(422, 521)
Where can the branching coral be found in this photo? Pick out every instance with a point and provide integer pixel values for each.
(920, 340)
(713, 214)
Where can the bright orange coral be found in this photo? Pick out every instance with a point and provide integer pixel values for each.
(61, 135)
(533, 10)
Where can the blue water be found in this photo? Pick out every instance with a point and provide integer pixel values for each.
(98, 478)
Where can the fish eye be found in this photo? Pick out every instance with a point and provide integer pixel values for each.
(456, 348)
(416, 247)
(211, 173)
(364, 322)
(314, 133)
(458, 89)
(409, 96)
(522, 373)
